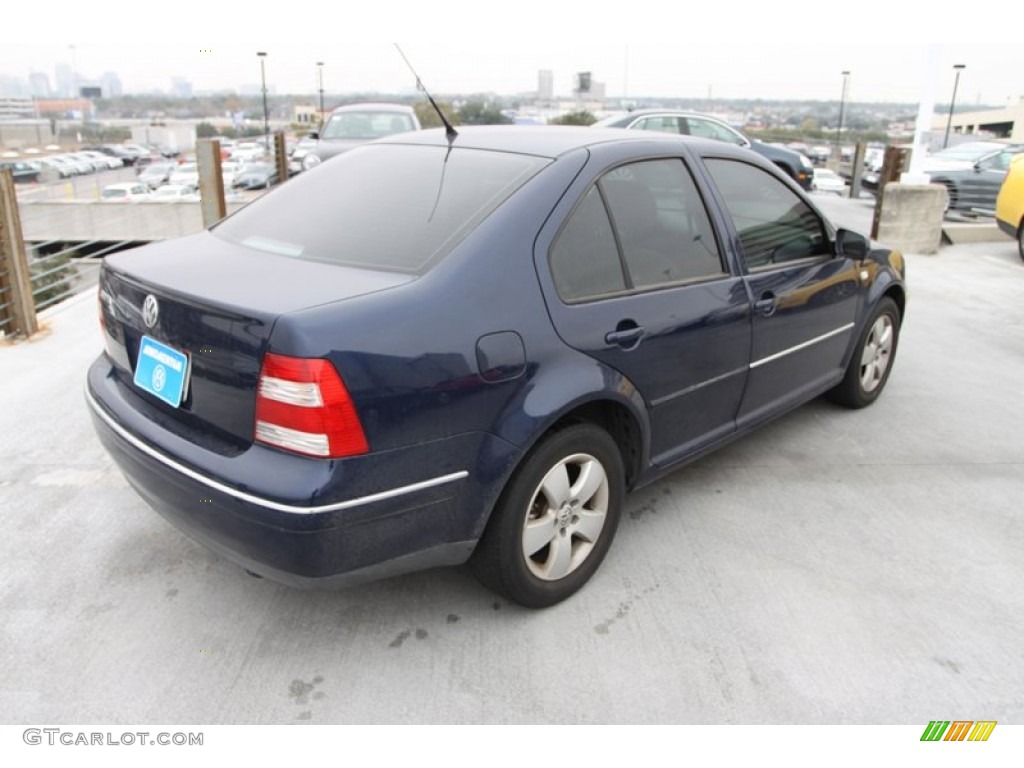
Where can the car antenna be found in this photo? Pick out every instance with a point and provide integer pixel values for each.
(449, 131)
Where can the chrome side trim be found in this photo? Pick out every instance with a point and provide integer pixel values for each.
(798, 347)
(695, 387)
(252, 499)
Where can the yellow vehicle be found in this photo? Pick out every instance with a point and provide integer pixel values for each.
(1010, 203)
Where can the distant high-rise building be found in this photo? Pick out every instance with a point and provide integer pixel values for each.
(181, 88)
(545, 85)
(65, 81)
(39, 85)
(111, 85)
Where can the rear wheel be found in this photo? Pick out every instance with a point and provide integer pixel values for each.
(872, 359)
(1020, 240)
(555, 520)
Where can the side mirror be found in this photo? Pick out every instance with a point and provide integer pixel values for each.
(314, 135)
(851, 244)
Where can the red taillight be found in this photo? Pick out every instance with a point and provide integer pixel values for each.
(302, 406)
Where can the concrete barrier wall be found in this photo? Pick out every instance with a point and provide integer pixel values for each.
(83, 220)
(911, 217)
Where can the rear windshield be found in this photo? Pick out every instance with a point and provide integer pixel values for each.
(392, 207)
(366, 125)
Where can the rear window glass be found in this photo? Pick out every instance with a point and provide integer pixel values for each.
(366, 125)
(393, 207)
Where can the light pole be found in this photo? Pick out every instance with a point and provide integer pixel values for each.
(266, 115)
(958, 68)
(839, 129)
(320, 73)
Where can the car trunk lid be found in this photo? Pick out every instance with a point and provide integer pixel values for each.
(216, 303)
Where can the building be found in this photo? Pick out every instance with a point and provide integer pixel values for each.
(110, 82)
(39, 85)
(545, 85)
(181, 88)
(65, 81)
(1005, 123)
(14, 107)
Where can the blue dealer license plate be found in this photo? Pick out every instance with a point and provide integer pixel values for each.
(161, 371)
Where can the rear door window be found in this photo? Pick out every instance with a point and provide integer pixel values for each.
(642, 226)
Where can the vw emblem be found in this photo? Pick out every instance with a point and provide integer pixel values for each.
(150, 311)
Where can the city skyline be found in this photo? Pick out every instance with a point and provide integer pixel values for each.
(629, 70)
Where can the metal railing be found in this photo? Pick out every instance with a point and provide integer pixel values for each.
(77, 228)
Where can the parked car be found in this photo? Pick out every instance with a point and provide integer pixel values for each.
(256, 176)
(79, 165)
(156, 174)
(302, 147)
(247, 152)
(356, 124)
(972, 173)
(827, 181)
(423, 351)
(228, 170)
(53, 168)
(87, 160)
(126, 155)
(174, 193)
(1010, 203)
(129, 192)
(186, 174)
(21, 171)
(797, 166)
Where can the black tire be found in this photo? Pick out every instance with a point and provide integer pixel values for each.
(1020, 240)
(577, 540)
(872, 359)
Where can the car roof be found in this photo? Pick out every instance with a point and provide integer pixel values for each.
(374, 106)
(545, 141)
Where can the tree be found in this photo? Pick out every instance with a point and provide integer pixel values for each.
(582, 117)
(478, 113)
(428, 117)
(205, 130)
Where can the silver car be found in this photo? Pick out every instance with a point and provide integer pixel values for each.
(356, 124)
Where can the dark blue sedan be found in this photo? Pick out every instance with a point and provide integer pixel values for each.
(427, 351)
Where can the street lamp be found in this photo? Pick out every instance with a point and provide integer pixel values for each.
(266, 115)
(839, 129)
(949, 121)
(320, 73)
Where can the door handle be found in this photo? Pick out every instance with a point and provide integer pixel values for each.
(766, 305)
(626, 338)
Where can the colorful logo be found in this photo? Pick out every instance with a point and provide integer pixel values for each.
(958, 730)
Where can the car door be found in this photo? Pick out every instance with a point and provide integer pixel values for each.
(639, 282)
(804, 296)
(980, 186)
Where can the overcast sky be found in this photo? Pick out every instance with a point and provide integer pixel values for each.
(737, 49)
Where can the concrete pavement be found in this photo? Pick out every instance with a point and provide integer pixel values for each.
(835, 567)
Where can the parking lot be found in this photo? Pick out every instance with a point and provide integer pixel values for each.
(835, 567)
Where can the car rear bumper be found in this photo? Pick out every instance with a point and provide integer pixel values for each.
(303, 534)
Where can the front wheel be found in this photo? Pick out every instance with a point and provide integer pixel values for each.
(872, 359)
(555, 520)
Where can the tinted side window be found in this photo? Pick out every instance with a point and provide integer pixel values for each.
(663, 124)
(773, 223)
(584, 259)
(662, 234)
(710, 130)
(663, 227)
